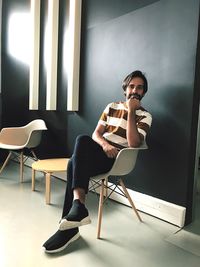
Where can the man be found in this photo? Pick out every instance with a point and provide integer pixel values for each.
(122, 124)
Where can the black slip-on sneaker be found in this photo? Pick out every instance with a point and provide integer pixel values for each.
(60, 240)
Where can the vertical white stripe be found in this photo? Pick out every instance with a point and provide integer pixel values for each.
(52, 54)
(74, 33)
(34, 64)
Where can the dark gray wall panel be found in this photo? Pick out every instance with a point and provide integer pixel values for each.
(163, 45)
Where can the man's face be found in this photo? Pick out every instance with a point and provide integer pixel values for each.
(135, 88)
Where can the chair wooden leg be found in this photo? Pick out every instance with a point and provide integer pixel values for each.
(33, 180)
(21, 166)
(100, 209)
(6, 161)
(48, 187)
(129, 199)
(106, 188)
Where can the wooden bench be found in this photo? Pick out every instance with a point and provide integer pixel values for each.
(48, 166)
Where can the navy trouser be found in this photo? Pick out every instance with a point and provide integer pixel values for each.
(88, 160)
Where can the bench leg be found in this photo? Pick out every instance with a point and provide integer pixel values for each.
(48, 187)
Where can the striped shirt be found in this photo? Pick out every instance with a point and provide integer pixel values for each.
(114, 118)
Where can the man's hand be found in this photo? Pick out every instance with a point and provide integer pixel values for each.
(133, 136)
(110, 150)
(97, 136)
(133, 104)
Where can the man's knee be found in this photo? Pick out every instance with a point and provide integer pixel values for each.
(83, 139)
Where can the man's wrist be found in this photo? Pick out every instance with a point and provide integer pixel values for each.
(131, 112)
(103, 143)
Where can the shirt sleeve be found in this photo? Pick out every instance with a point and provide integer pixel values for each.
(104, 116)
(144, 124)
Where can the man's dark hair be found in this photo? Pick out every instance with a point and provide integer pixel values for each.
(135, 74)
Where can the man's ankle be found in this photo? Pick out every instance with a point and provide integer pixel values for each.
(78, 200)
(79, 193)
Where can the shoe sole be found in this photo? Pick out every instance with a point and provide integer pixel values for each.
(65, 224)
(74, 238)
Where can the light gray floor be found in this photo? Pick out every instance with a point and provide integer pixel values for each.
(26, 222)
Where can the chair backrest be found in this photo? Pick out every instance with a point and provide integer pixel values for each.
(23, 136)
(34, 130)
(126, 160)
(37, 124)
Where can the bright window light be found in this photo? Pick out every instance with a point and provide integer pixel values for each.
(19, 36)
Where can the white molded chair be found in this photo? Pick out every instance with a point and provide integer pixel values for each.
(124, 164)
(18, 138)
